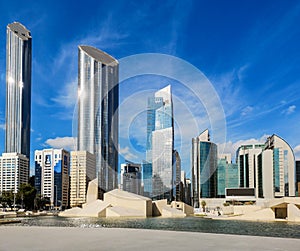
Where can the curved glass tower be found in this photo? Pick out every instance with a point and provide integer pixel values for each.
(18, 89)
(98, 99)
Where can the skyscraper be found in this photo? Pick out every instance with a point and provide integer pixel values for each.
(18, 89)
(204, 168)
(98, 112)
(160, 145)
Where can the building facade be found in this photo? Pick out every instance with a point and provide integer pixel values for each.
(276, 169)
(204, 168)
(247, 163)
(131, 178)
(52, 168)
(14, 171)
(298, 178)
(82, 171)
(228, 175)
(18, 89)
(160, 145)
(98, 117)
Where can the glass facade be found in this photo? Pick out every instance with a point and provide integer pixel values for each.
(18, 89)
(208, 174)
(276, 170)
(227, 176)
(98, 112)
(204, 168)
(160, 144)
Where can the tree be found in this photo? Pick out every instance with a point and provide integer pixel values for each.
(203, 204)
(7, 198)
(26, 196)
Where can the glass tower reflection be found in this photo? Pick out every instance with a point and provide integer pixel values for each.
(18, 89)
(98, 99)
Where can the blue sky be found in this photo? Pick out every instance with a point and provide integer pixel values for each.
(248, 50)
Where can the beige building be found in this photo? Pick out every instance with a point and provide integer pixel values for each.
(14, 171)
(83, 170)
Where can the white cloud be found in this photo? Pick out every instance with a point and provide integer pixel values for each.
(2, 126)
(127, 154)
(68, 143)
(297, 152)
(231, 147)
(291, 109)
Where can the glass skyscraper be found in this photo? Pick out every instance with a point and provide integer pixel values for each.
(160, 145)
(98, 99)
(18, 89)
(204, 168)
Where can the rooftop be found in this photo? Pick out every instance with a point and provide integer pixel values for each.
(20, 30)
(99, 55)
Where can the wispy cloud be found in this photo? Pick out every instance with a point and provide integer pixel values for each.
(291, 109)
(68, 96)
(247, 110)
(68, 143)
(2, 126)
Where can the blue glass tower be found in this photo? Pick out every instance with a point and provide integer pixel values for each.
(158, 169)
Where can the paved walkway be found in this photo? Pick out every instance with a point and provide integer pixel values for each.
(59, 238)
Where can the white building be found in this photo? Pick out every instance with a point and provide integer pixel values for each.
(247, 165)
(14, 171)
(52, 176)
(276, 169)
(83, 170)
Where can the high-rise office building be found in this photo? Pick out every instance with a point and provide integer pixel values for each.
(131, 178)
(246, 156)
(160, 145)
(18, 89)
(276, 169)
(204, 168)
(52, 168)
(14, 171)
(98, 112)
(82, 171)
(228, 175)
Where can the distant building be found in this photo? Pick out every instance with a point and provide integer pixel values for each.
(247, 164)
(298, 177)
(228, 175)
(52, 176)
(276, 169)
(131, 177)
(160, 145)
(98, 118)
(14, 171)
(18, 89)
(204, 168)
(147, 178)
(176, 176)
(83, 170)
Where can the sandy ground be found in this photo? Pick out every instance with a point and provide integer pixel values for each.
(60, 238)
